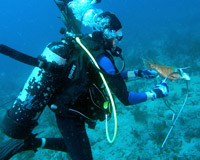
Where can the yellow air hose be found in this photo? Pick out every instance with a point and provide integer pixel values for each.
(108, 91)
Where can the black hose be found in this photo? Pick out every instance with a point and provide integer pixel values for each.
(10, 52)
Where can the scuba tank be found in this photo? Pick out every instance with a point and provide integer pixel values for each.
(21, 119)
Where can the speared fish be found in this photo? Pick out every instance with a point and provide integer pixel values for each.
(173, 74)
(165, 70)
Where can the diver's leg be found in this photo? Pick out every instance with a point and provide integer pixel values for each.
(76, 140)
(57, 144)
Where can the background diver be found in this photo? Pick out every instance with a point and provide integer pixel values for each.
(70, 85)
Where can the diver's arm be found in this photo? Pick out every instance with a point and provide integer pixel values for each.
(128, 75)
(131, 75)
(118, 86)
(149, 95)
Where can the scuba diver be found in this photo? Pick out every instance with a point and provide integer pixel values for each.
(69, 84)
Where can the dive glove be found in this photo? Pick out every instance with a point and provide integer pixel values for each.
(149, 73)
(160, 91)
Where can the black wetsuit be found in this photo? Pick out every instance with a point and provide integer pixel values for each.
(70, 94)
(72, 124)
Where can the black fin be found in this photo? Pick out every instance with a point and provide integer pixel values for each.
(10, 148)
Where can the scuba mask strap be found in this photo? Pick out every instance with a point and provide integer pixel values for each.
(108, 91)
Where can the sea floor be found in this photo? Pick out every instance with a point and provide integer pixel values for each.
(141, 128)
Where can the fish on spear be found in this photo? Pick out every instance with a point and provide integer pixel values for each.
(165, 70)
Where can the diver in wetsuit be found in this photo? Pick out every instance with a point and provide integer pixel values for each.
(73, 92)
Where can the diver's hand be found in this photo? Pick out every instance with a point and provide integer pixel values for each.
(160, 91)
(148, 74)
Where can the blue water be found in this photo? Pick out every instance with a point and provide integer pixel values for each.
(29, 26)
(168, 29)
